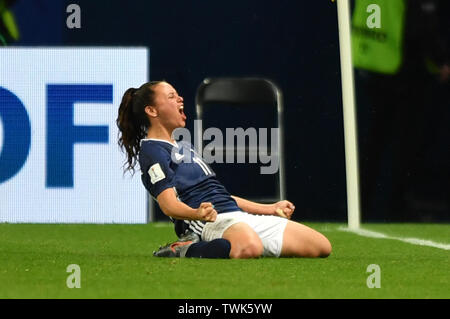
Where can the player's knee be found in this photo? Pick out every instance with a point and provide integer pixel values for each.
(319, 248)
(251, 249)
(324, 248)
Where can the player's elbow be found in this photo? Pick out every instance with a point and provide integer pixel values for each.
(169, 211)
(168, 203)
(167, 208)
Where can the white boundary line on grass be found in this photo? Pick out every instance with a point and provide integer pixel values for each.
(414, 241)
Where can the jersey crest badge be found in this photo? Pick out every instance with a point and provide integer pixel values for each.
(156, 173)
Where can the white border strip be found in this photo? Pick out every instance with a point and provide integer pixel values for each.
(414, 241)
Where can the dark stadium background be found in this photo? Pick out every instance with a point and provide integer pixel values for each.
(294, 43)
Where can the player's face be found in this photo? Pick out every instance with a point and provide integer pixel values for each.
(170, 106)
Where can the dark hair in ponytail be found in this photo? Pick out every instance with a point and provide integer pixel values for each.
(133, 122)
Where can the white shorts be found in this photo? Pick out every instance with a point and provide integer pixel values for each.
(269, 228)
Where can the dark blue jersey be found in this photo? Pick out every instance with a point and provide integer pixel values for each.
(166, 165)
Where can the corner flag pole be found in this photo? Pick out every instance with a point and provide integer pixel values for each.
(348, 102)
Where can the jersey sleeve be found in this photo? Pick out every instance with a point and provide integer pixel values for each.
(157, 174)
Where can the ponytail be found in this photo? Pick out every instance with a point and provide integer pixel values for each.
(133, 122)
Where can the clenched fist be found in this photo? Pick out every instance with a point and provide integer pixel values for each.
(284, 209)
(206, 212)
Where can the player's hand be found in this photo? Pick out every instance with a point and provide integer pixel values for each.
(206, 212)
(283, 209)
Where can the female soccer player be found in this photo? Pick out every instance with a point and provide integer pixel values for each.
(188, 191)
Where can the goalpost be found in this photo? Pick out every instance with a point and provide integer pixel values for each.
(350, 129)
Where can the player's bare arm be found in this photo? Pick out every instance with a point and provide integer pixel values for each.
(172, 207)
(282, 208)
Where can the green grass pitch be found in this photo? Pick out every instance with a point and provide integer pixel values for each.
(116, 262)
